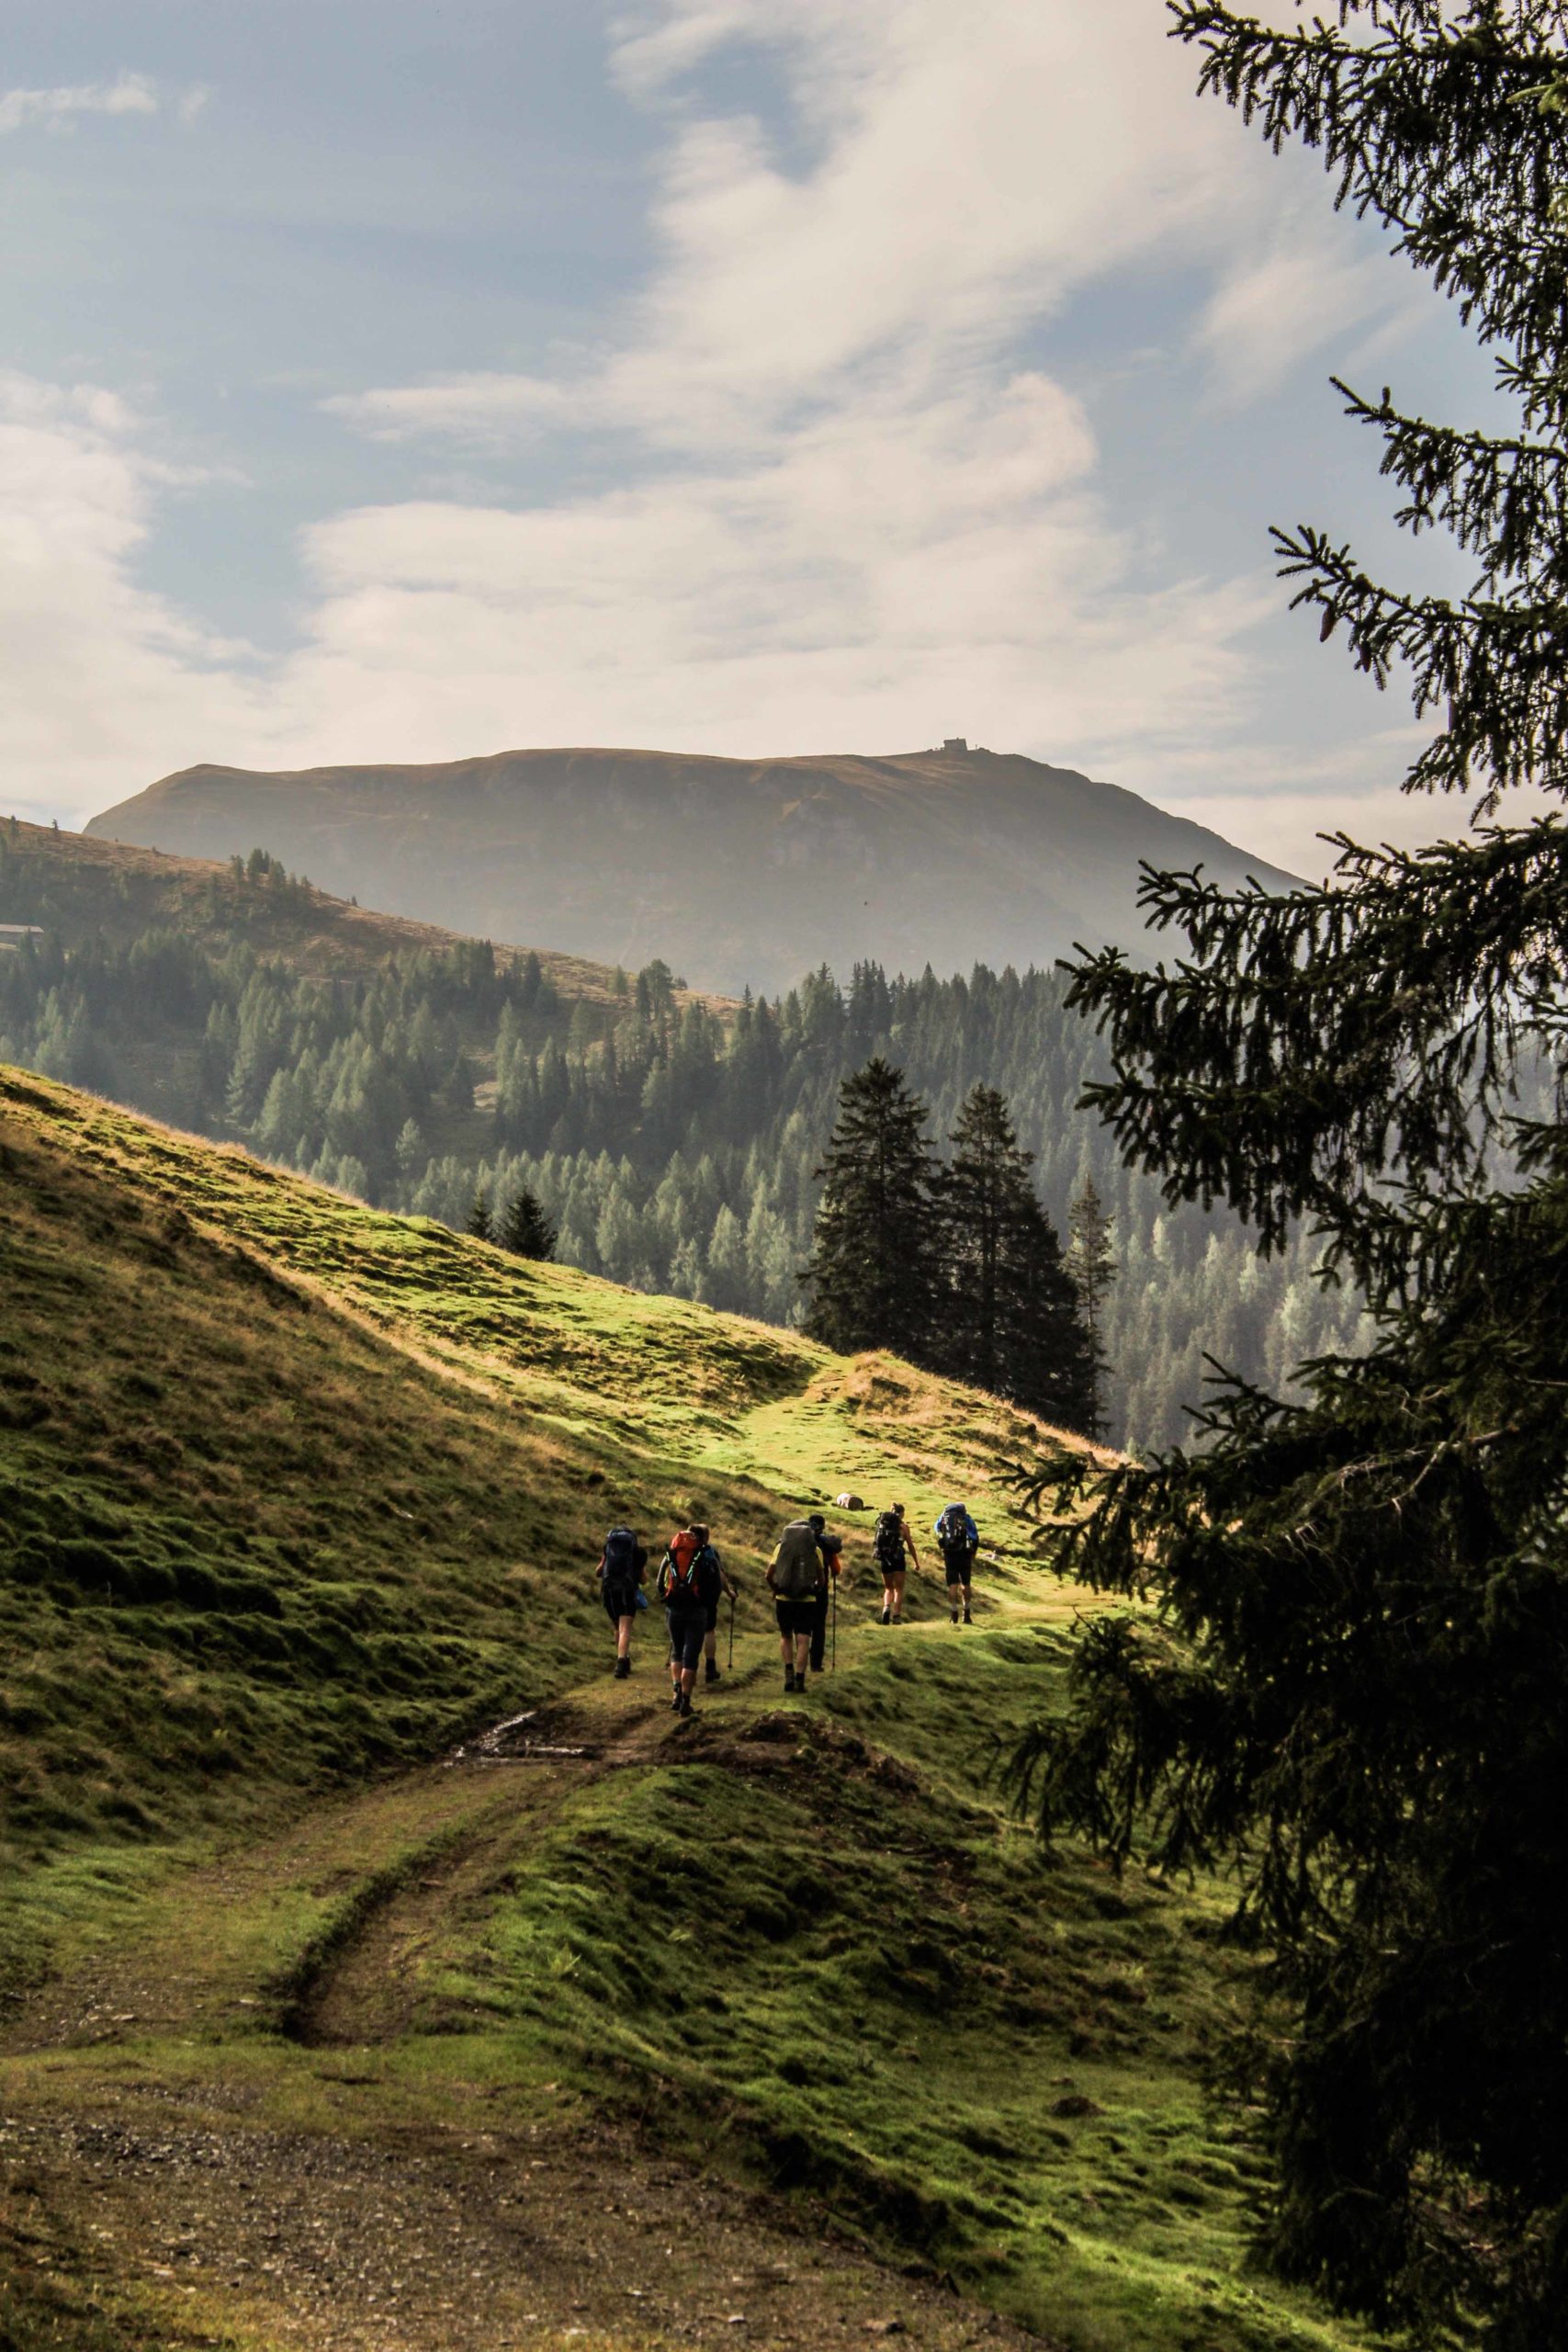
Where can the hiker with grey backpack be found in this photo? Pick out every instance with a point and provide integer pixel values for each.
(622, 1563)
(796, 1573)
(893, 1542)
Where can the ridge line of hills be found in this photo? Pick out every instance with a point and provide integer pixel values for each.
(742, 873)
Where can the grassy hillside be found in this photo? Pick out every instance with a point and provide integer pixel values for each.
(86, 888)
(312, 2037)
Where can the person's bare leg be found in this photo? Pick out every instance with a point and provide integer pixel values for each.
(801, 1658)
(623, 1636)
(895, 1585)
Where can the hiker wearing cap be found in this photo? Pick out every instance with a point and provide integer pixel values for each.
(894, 1543)
(830, 1546)
(794, 1574)
(621, 1566)
(958, 1539)
(689, 1581)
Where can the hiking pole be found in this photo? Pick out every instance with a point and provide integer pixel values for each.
(835, 1624)
(731, 1664)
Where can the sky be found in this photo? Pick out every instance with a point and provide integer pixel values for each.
(406, 380)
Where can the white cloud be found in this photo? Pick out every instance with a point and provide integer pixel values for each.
(852, 516)
(857, 508)
(1304, 292)
(104, 680)
(130, 93)
(57, 109)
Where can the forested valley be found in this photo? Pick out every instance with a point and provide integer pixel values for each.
(673, 1141)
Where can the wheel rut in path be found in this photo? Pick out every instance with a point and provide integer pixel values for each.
(463, 2218)
(365, 1985)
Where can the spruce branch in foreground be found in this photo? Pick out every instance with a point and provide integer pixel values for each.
(1347, 1683)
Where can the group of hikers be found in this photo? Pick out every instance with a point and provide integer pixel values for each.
(693, 1583)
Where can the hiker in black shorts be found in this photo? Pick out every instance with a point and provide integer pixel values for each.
(621, 1566)
(830, 1546)
(689, 1581)
(958, 1539)
(893, 1544)
(795, 1573)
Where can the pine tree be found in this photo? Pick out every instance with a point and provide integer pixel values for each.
(874, 1274)
(1091, 1267)
(525, 1229)
(480, 1222)
(1010, 1322)
(1353, 1689)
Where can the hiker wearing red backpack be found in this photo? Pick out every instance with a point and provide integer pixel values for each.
(690, 1582)
(621, 1566)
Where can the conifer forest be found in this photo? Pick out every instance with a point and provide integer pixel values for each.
(674, 1147)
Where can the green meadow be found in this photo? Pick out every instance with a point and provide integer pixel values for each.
(296, 1499)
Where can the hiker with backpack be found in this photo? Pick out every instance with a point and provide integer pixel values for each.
(893, 1541)
(730, 1591)
(690, 1582)
(794, 1574)
(830, 1546)
(958, 1539)
(621, 1566)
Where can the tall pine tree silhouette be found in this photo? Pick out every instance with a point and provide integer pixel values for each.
(1353, 1690)
(524, 1227)
(1091, 1264)
(875, 1264)
(1011, 1322)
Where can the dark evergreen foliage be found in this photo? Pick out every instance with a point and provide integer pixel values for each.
(1352, 1687)
(1091, 1266)
(674, 1153)
(479, 1223)
(876, 1265)
(524, 1229)
(1008, 1318)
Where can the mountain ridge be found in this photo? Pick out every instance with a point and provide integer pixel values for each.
(739, 872)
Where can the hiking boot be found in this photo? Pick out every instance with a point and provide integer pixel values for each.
(888, 1616)
(789, 1677)
(676, 1700)
(967, 1619)
(712, 1673)
(800, 1686)
(623, 1668)
(683, 1703)
(956, 1617)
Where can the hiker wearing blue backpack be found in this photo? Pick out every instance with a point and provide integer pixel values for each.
(958, 1539)
(690, 1583)
(621, 1566)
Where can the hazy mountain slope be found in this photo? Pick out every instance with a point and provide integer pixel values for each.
(737, 872)
(318, 2040)
(86, 888)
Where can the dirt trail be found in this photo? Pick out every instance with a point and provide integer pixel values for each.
(144, 2139)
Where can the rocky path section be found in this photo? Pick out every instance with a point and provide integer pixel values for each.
(222, 2150)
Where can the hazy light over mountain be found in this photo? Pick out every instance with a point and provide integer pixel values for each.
(739, 873)
(722, 375)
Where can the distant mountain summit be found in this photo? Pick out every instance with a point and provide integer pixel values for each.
(737, 872)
